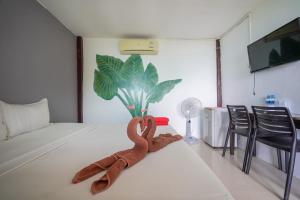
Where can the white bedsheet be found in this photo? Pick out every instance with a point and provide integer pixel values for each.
(175, 172)
(23, 148)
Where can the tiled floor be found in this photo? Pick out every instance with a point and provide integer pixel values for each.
(264, 182)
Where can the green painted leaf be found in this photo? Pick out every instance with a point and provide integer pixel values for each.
(161, 89)
(109, 62)
(150, 77)
(132, 71)
(111, 66)
(104, 86)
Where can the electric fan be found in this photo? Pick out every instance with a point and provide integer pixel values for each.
(190, 108)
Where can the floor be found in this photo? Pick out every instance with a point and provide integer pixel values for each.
(264, 182)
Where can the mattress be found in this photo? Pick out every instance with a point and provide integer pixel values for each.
(23, 148)
(175, 172)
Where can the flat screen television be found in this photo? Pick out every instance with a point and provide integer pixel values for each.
(277, 48)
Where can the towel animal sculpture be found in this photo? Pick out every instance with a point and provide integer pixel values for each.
(159, 142)
(117, 162)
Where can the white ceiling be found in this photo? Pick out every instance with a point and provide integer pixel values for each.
(186, 19)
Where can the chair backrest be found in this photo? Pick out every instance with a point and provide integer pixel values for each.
(239, 116)
(273, 121)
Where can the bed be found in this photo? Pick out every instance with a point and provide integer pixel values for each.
(41, 164)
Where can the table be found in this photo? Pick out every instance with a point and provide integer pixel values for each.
(296, 119)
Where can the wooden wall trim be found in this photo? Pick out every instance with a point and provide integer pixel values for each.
(219, 74)
(79, 47)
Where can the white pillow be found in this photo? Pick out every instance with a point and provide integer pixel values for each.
(3, 130)
(24, 118)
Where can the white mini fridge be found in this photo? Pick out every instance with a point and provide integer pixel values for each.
(215, 125)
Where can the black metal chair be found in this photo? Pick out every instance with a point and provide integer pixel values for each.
(274, 127)
(240, 124)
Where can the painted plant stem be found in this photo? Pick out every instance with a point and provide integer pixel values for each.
(125, 104)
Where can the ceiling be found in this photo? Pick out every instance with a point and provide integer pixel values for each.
(184, 19)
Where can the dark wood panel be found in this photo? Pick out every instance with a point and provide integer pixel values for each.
(79, 78)
(219, 75)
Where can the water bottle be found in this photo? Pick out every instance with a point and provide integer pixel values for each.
(270, 100)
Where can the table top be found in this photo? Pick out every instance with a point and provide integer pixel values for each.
(296, 119)
(296, 116)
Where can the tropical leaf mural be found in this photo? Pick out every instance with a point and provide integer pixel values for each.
(135, 87)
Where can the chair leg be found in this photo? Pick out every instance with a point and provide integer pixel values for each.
(232, 143)
(279, 159)
(254, 152)
(290, 172)
(251, 152)
(226, 141)
(246, 156)
(286, 157)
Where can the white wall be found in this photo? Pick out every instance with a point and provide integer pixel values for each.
(191, 60)
(236, 78)
(283, 80)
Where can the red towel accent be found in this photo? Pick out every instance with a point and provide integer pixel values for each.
(160, 121)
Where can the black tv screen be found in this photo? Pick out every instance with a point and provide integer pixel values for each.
(279, 47)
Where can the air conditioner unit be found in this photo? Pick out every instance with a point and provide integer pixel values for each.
(138, 46)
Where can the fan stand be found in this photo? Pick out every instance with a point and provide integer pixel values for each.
(188, 137)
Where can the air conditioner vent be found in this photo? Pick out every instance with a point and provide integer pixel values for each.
(138, 46)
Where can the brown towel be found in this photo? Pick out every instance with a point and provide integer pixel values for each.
(97, 167)
(157, 143)
(117, 162)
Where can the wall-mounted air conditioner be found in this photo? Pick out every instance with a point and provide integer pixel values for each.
(138, 46)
